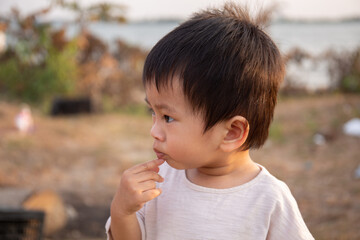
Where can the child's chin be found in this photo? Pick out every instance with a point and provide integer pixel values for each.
(175, 165)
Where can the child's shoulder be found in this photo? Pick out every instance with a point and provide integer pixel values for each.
(274, 187)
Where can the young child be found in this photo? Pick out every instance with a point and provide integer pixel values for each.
(211, 85)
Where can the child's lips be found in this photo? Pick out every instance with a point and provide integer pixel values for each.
(159, 154)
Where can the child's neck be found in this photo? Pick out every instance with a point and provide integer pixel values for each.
(236, 169)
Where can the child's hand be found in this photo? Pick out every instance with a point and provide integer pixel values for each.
(137, 186)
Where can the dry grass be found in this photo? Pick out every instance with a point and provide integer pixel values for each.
(83, 157)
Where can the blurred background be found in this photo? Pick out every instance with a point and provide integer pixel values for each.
(72, 115)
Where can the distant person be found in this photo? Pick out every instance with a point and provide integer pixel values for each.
(211, 85)
(24, 121)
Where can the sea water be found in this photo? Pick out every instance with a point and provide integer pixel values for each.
(314, 38)
(311, 37)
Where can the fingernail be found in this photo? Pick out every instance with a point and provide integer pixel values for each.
(161, 160)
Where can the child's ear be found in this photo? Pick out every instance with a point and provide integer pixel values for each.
(237, 130)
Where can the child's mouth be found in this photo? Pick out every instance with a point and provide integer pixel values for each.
(159, 154)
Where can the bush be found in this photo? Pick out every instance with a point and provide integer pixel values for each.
(40, 64)
(345, 69)
(35, 83)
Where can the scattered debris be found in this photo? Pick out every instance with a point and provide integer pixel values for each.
(308, 165)
(71, 212)
(319, 139)
(357, 173)
(352, 127)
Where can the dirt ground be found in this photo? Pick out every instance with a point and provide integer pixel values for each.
(82, 158)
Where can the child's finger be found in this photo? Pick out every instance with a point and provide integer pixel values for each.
(150, 194)
(148, 175)
(155, 169)
(148, 166)
(147, 185)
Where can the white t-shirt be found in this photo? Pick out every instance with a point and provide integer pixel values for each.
(263, 208)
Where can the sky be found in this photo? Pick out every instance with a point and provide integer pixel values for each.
(154, 9)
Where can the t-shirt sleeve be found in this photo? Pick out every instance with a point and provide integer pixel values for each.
(286, 220)
(107, 229)
(140, 218)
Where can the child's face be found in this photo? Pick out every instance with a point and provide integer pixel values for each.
(178, 131)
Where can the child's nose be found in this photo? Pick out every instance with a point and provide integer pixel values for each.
(157, 132)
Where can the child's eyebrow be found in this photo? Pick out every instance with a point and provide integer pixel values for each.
(162, 106)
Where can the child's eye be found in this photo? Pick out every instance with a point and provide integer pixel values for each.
(168, 119)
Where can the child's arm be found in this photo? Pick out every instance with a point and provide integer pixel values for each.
(137, 186)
